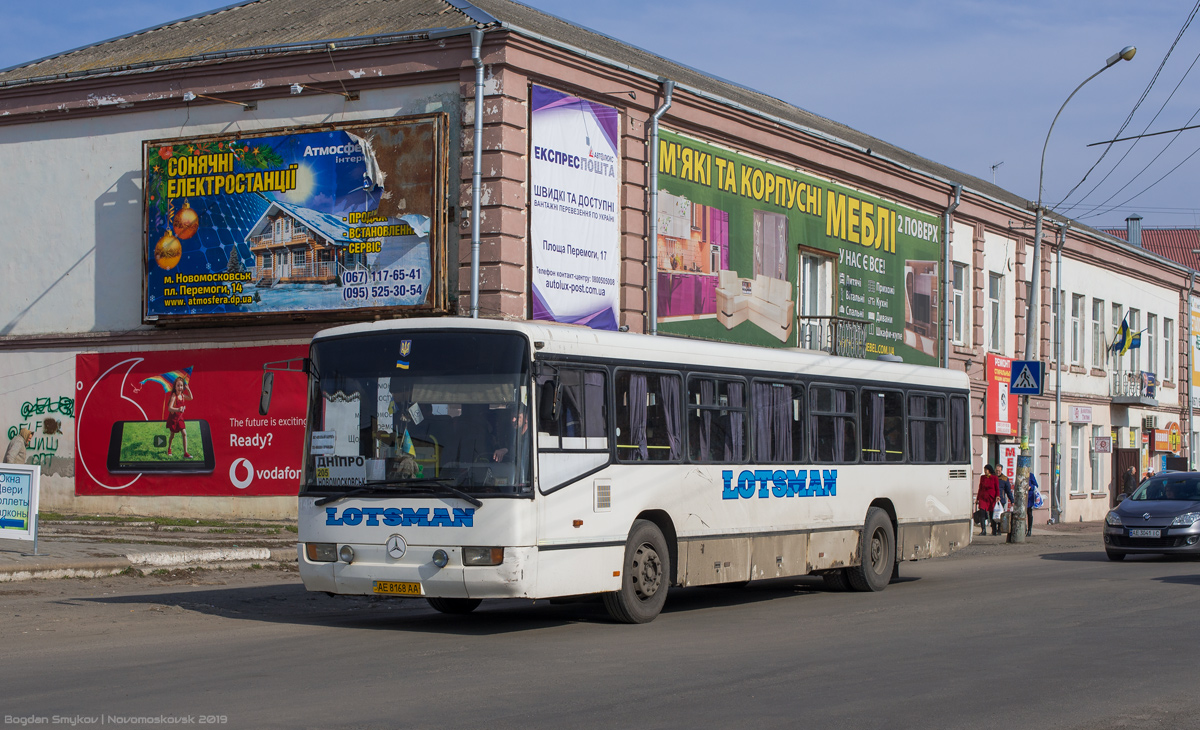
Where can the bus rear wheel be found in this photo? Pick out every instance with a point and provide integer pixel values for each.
(645, 576)
(454, 606)
(877, 553)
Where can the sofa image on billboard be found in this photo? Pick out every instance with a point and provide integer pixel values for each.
(765, 301)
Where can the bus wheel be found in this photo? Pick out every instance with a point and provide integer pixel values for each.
(877, 551)
(836, 580)
(645, 576)
(455, 606)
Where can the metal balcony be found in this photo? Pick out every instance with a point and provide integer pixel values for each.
(1133, 388)
(835, 335)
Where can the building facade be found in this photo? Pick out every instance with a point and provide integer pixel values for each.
(760, 223)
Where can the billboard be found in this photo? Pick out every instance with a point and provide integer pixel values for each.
(1194, 351)
(1002, 412)
(753, 252)
(186, 423)
(574, 200)
(324, 219)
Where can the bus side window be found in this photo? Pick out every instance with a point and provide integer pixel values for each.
(777, 410)
(716, 420)
(582, 422)
(648, 421)
(882, 425)
(832, 424)
(960, 430)
(927, 428)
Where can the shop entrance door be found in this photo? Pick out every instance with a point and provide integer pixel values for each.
(1122, 460)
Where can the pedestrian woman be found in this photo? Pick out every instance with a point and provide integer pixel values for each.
(985, 498)
(1006, 495)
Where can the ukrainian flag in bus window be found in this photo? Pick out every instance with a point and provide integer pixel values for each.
(405, 348)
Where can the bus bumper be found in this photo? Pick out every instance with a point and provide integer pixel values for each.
(515, 577)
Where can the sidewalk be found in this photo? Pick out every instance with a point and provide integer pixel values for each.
(90, 547)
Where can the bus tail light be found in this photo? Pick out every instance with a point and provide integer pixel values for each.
(321, 552)
(483, 555)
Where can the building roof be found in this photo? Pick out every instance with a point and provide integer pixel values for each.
(1176, 244)
(330, 227)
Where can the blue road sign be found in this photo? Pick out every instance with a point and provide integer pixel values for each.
(1026, 377)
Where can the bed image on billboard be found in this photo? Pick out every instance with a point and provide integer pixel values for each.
(137, 447)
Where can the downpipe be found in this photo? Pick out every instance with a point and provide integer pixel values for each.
(652, 224)
(477, 166)
(948, 273)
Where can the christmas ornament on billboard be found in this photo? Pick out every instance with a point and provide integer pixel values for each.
(185, 223)
(168, 251)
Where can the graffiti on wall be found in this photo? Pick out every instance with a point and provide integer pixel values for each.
(48, 448)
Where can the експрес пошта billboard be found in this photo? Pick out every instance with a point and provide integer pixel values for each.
(332, 218)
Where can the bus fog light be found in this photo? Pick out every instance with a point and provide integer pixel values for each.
(483, 555)
(346, 554)
(440, 558)
(321, 552)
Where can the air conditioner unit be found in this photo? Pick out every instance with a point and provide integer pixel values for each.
(1149, 423)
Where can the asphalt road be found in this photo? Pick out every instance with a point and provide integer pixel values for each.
(1043, 635)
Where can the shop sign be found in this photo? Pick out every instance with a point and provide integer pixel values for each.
(740, 240)
(1081, 414)
(1102, 445)
(1001, 413)
(322, 219)
(1162, 440)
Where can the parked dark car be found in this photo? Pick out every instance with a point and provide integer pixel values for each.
(1161, 516)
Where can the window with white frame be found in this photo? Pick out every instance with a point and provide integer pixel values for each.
(1135, 326)
(1097, 461)
(1056, 298)
(1076, 463)
(1150, 342)
(1116, 325)
(959, 327)
(995, 312)
(1077, 329)
(1099, 351)
(1168, 345)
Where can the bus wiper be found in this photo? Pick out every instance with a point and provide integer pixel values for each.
(374, 486)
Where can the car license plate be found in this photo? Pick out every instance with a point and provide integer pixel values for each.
(1145, 533)
(398, 589)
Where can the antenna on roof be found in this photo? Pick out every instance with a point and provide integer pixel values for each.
(998, 164)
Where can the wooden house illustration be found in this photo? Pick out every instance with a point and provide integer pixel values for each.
(294, 245)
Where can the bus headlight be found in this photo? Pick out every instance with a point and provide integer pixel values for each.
(346, 553)
(483, 555)
(321, 552)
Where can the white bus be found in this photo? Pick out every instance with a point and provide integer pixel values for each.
(459, 459)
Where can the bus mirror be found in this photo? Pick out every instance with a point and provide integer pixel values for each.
(264, 402)
(548, 401)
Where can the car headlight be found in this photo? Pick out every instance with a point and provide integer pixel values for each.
(1113, 519)
(1186, 520)
(482, 555)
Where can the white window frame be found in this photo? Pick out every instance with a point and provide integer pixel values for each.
(1076, 461)
(1135, 326)
(961, 280)
(995, 312)
(1055, 323)
(1077, 301)
(1169, 350)
(1150, 342)
(1099, 351)
(1097, 462)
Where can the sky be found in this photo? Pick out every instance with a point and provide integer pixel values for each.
(971, 84)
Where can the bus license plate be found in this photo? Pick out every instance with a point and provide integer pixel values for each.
(1145, 533)
(398, 589)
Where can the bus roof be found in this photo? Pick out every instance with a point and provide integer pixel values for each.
(585, 342)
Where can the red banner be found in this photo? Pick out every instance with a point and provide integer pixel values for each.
(186, 423)
(1002, 409)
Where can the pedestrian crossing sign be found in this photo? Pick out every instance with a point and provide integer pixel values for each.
(1026, 377)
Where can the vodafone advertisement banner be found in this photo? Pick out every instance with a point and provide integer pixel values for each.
(186, 423)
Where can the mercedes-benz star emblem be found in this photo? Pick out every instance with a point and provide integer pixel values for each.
(1146, 516)
(396, 547)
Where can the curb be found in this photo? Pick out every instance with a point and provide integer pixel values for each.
(237, 558)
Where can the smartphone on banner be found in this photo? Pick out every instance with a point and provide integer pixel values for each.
(141, 447)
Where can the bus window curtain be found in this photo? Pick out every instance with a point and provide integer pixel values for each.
(878, 443)
(958, 429)
(781, 413)
(735, 442)
(593, 405)
(637, 413)
(707, 398)
(763, 410)
(918, 407)
(670, 399)
(839, 426)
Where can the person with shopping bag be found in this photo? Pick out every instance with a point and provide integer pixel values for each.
(1032, 502)
(1007, 499)
(986, 498)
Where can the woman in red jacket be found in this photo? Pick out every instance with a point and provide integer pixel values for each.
(989, 492)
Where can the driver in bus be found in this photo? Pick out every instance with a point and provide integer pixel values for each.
(519, 433)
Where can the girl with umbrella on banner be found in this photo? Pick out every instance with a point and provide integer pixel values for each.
(177, 384)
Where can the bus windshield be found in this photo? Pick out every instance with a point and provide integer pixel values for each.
(420, 412)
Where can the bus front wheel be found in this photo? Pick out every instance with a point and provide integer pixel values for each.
(456, 606)
(877, 553)
(645, 576)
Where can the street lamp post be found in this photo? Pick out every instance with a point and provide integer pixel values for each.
(1017, 533)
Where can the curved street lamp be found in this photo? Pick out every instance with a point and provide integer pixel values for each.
(1023, 463)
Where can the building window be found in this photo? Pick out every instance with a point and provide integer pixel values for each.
(1097, 461)
(299, 258)
(1099, 349)
(1116, 326)
(1056, 333)
(1151, 342)
(1076, 464)
(1077, 329)
(1135, 326)
(995, 312)
(959, 332)
(1168, 344)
